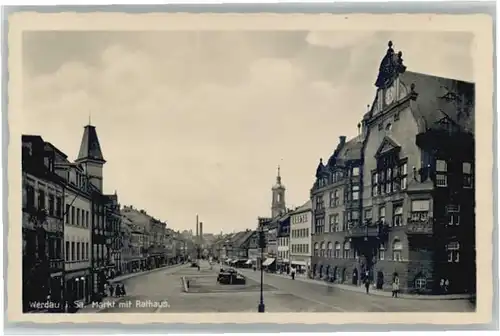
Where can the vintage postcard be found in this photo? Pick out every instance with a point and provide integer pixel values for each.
(217, 168)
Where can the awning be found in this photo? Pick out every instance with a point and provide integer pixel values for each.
(249, 262)
(268, 261)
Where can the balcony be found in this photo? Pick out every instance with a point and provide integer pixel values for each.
(414, 227)
(56, 265)
(363, 231)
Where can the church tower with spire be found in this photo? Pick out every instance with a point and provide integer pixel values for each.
(91, 158)
(278, 206)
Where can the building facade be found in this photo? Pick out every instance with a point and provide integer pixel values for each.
(300, 238)
(283, 243)
(418, 216)
(335, 199)
(113, 224)
(408, 190)
(42, 226)
(77, 232)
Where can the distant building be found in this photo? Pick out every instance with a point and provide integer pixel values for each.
(278, 205)
(283, 240)
(300, 237)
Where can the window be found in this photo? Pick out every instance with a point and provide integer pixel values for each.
(334, 198)
(355, 192)
(403, 177)
(319, 203)
(390, 176)
(86, 219)
(388, 127)
(322, 250)
(467, 174)
(72, 215)
(330, 250)
(355, 171)
(381, 252)
(337, 250)
(78, 251)
(453, 250)
(41, 199)
(420, 283)
(59, 207)
(87, 251)
(397, 249)
(66, 253)
(453, 212)
(368, 215)
(441, 173)
(381, 214)
(316, 249)
(319, 225)
(420, 210)
(30, 197)
(67, 213)
(77, 216)
(52, 205)
(347, 250)
(353, 218)
(72, 251)
(397, 216)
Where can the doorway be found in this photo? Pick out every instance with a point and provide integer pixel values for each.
(355, 276)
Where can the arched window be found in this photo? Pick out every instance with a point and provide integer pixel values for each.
(347, 250)
(316, 249)
(453, 250)
(337, 250)
(397, 249)
(330, 250)
(322, 252)
(381, 252)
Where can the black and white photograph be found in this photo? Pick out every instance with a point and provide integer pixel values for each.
(248, 171)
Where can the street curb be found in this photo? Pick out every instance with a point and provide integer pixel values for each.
(386, 294)
(133, 275)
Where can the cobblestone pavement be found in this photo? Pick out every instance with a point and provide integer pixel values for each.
(162, 292)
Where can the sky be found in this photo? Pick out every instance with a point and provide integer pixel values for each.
(197, 122)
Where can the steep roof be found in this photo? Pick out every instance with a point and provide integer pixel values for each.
(304, 207)
(244, 237)
(90, 149)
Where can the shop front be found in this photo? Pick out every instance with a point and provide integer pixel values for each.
(78, 287)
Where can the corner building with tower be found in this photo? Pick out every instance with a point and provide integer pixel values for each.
(409, 209)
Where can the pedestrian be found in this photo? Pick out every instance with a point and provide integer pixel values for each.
(292, 272)
(395, 286)
(367, 284)
(124, 292)
(111, 290)
(446, 286)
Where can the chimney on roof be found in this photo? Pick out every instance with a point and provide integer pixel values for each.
(342, 139)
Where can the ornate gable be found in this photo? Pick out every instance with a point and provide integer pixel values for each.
(387, 145)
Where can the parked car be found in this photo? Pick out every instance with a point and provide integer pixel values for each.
(230, 277)
(194, 264)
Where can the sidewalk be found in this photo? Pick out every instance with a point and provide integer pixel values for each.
(133, 275)
(361, 289)
(109, 301)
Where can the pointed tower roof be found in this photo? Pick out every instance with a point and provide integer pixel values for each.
(90, 149)
(278, 184)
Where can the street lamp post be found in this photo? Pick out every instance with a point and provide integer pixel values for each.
(262, 243)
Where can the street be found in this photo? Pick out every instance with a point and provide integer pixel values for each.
(162, 292)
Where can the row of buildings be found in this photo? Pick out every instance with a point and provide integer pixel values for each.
(75, 236)
(397, 199)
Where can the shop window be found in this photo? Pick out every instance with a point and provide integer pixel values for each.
(420, 283)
